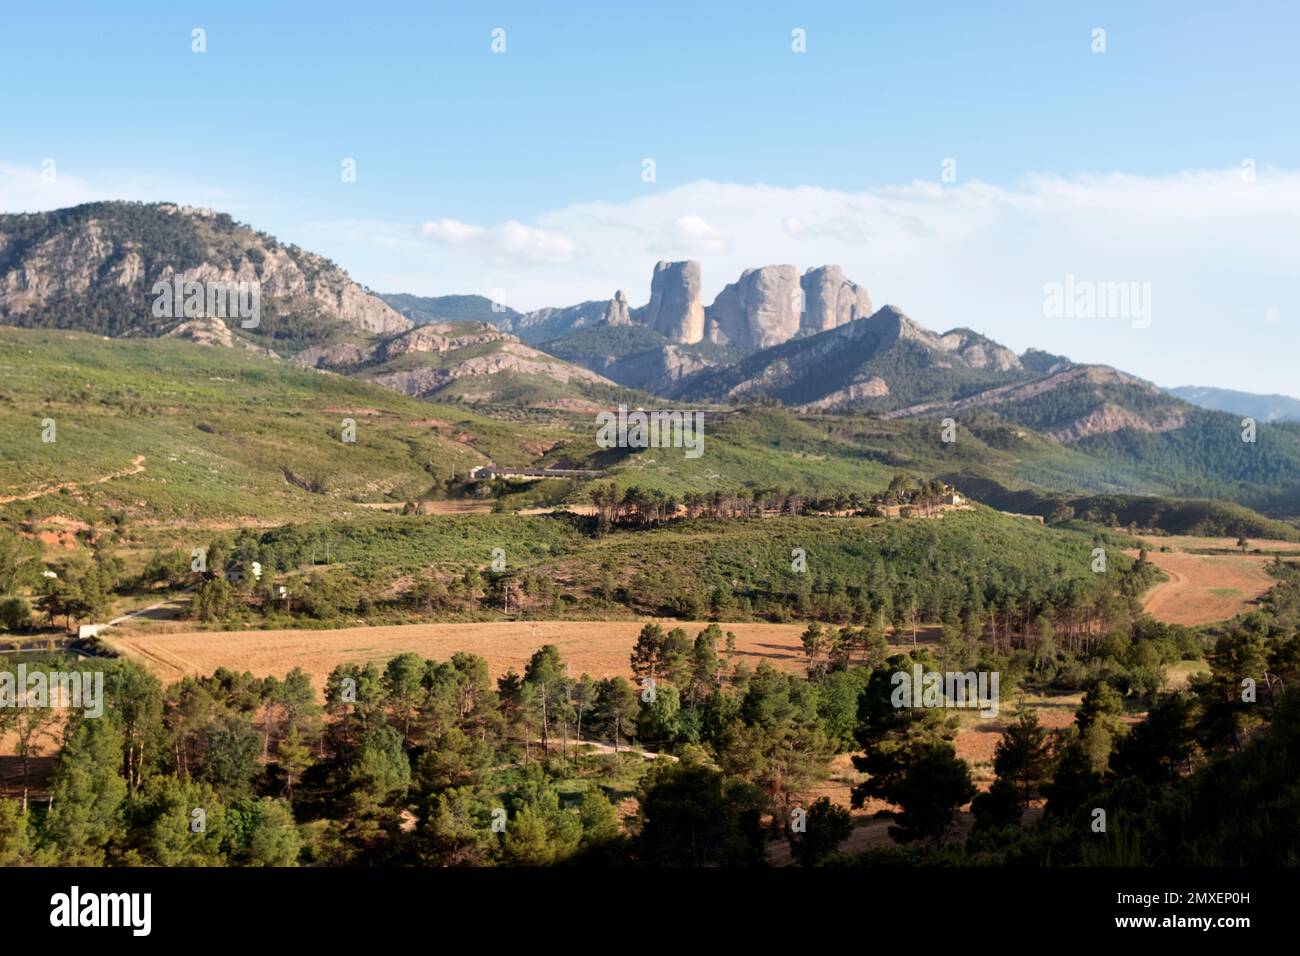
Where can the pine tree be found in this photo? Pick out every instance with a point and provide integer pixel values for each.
(1022, 756)
(294, 758)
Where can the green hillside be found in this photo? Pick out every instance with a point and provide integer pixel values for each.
(222, 432)
(686, 567)
(1206, 457)
(227, 433)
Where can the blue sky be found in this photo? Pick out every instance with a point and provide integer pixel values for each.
(521, 173)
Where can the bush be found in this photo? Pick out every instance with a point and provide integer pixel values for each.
(15, 613)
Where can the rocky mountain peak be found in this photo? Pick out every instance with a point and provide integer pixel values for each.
(831, 300)
(978, 351)
(761, 309)
(765, 306)
(675, 309)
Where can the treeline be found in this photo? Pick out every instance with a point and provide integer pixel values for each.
(956, 580)
(77, 588)
(1206, 457)
(639, 507)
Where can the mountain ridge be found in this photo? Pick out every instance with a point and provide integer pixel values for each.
(1262, 407)
(89, 268)
(95, 266)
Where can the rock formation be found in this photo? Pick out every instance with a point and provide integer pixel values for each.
(761, 309)
(618, 312)
(675, 310)
(831, 300)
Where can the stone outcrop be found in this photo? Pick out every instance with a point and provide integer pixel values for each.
(761, 309)
(872, 387)
(618, 312)
(213, 331)
(831, 300)
(439, 337)
(456, 351)
(765, 307)
(978, 352)
(675, 310)
(338, 356)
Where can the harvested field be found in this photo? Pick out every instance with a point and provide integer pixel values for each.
(1205, 588)
(599, 648)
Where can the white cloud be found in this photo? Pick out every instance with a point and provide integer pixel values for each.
(510, 242)
(452, 230)
(695, 236)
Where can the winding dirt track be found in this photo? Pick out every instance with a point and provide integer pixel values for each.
(137, 466)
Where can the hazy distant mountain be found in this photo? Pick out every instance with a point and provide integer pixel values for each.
(533, 327)
(1262, 408)
(422, 310)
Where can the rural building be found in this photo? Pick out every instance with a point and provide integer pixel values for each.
(239, 570)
